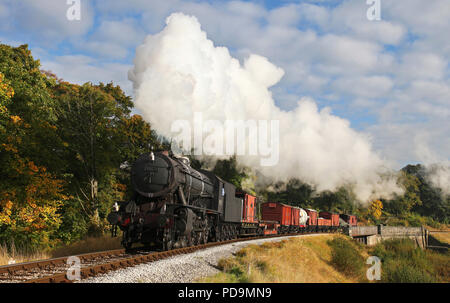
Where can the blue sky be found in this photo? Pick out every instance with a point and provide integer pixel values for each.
(389, 78)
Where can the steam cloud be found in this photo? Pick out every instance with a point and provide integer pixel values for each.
(179, 72)
(437, 168)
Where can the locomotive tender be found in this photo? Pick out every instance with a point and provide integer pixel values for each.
(174, 206)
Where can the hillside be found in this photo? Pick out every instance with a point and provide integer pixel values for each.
(301, 260)
(332, 259)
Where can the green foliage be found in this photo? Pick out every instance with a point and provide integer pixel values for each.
(341, 201)
(99, 136)
(62, 149)
(294, 191)
(402, 272)
(30, 192)
(32, 98)
(297, 193)
(229, 171)
(434, 203)
(346, 257)
(411, 197)
(403, 262)
(32, 103)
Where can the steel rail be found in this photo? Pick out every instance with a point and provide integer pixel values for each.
(120, 258)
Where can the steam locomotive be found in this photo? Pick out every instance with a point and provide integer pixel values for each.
(174, 206)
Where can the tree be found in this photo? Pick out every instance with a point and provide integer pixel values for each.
(138, 138)
(293, 192)
(410, 198)
(30, 196)
(229, 171)
(62, 147)
(375, 209)
(433, 202)
(30, 193)
(33, 103)
(89, 120)
(99, 137)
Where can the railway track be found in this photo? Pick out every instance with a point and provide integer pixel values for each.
(93, 264)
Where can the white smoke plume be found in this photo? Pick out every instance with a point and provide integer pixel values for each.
(439, 176)
(437, 168)
(179, 72)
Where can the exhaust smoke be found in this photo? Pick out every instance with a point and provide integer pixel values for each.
(179, 72)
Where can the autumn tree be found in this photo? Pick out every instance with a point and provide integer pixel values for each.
(99, 137)
(30, 194)
(375, 209)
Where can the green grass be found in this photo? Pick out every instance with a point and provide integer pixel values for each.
(346, 257)
(297, 260)
(403, 262)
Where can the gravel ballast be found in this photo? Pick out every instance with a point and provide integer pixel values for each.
(179, 269)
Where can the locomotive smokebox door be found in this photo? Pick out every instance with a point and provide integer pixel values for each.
(150, 175)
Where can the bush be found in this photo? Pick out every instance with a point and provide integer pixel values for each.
(404, 262)
(402, 271)
(346, 257)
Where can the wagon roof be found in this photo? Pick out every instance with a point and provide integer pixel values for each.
(280, 203)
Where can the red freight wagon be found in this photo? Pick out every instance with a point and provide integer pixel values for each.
(350, 219)
(249, 220)
(249, 208)
(331, 216)
(323, 224)
(295, 219)
(295, 216)
(311, 224)
(272, 211)
(270, 227)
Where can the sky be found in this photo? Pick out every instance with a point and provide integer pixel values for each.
(389, 78)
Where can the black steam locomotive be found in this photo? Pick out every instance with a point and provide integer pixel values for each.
(174, 205)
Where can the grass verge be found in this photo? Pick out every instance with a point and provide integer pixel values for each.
(305, 259)
(88, 245)
(347, 258)
(14, 254)
(403, 262)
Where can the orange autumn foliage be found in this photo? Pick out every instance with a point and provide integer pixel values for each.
(30, 197)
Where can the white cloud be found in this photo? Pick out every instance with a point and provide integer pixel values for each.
(366, 87)
(81, 69)
(396, 69)
(288, 15)
(419, 65)
(46, 20)
(114, 38)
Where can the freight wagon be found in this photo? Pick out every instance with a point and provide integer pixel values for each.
(349, 219)
(331, 216)
(312, 220)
